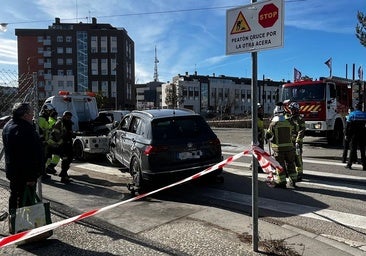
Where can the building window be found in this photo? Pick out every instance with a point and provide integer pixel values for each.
(60, 39)
(68, 61)
(60, 61)
(60, 50)
(60, 72)
(60, 84)
(94, 49)
(40, 50)
(69, 84)
(69, 39)
(40, 39)
(95, 86)
(94, 66)
(104, 88)
(68, 50)
(69, 72)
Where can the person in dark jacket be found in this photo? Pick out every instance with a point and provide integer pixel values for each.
(24, 156)
(356, 134)
(63, 135)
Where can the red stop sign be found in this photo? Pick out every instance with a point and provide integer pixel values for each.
(268, 15)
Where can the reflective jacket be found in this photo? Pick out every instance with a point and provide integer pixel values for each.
(43, 128)
(280, 134)
(298, 131)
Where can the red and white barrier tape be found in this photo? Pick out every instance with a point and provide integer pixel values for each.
(267, 162)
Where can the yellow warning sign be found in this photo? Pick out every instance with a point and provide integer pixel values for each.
(241, 25)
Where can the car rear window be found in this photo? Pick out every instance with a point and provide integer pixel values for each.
(180, 128)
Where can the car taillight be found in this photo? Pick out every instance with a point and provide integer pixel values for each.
(215, 141)
(154, 149)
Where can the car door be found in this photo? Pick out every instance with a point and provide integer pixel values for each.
(131, 139)
(120, 137)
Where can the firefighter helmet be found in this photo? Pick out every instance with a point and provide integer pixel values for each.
(48, 107)
(294, 107)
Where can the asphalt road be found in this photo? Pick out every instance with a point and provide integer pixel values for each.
(329, 202)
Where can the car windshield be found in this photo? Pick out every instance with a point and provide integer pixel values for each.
(303, 92)
(180, 128)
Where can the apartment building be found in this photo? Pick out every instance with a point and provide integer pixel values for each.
(80, 57)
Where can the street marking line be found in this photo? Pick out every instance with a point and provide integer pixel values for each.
(347, 219)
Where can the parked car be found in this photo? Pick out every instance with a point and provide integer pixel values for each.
(163, 145)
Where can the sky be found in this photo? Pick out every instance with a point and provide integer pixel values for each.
(190, 35)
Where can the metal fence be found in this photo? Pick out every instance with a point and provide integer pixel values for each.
(13, 89)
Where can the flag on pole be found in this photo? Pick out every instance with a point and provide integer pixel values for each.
(360, 73)
(329, 64)
(297, 75)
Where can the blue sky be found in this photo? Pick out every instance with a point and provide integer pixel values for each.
(191, 35)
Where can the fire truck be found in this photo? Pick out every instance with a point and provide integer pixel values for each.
(91, 136)
(323, 104)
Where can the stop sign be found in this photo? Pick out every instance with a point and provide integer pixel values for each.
(268, 16)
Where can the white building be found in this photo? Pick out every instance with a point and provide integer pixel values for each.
(230, 95)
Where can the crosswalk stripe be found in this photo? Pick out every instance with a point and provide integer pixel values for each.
(346, 219)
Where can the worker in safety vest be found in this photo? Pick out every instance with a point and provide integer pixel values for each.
(298, 134)
(44, 131)
(279, 133)
(53, 156)
(62, 134)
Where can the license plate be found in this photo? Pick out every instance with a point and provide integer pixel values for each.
(190, 155)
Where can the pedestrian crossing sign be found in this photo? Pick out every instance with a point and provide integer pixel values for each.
(241, 25)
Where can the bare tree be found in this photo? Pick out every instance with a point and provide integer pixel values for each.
(174, 96)
(361, 28)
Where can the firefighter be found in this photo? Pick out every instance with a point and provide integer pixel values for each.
(44, 130)
(62, 134)
(298, 134)
(356, 134)
(53, 156)
(279, 133)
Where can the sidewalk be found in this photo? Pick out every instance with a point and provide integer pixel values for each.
(204, 230)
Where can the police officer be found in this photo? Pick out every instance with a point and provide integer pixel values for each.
(346, 140)
(298, 134)
(356, 134)
(279, 133)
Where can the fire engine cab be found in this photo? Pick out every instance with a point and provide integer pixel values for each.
(323, 104)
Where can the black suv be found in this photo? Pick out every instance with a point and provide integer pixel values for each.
(163, 145)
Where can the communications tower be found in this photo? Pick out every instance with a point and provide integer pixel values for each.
(156, 75)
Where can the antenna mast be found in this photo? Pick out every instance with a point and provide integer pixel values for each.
(156, 75)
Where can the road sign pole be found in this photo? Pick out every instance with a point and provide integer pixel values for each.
(255, 236)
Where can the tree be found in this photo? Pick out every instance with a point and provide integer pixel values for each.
(361, 28)
(174, 96)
